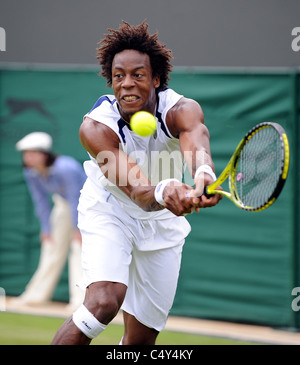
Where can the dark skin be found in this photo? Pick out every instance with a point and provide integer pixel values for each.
(134, 87)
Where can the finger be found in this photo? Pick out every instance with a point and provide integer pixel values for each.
(211, 201)
(193, 200)
(196, 193)
(179, 202)
(200, 182)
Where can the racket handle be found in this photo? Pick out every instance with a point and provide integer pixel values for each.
(206, 193)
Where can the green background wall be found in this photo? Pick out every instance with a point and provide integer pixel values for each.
(236, 265)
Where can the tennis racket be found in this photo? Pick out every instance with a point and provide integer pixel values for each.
(257, 170)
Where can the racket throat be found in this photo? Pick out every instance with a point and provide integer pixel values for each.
(211, 192)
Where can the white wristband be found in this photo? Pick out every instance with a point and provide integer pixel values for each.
(159, 190)
(207, 169)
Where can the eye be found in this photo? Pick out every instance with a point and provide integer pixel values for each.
(118, 76)
(138, 75)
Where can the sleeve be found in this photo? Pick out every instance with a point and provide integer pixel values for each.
(73, 178)
(40, 199)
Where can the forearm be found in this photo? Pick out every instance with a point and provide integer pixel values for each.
(197, 158)
(196, 150)
(143, 196)
(125, 173)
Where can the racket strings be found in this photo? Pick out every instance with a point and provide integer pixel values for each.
(259, 168)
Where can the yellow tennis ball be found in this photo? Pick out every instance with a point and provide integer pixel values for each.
(143, 123)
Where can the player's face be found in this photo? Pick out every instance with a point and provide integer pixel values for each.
(133, 83)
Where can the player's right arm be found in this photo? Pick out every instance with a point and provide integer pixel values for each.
(103, 144)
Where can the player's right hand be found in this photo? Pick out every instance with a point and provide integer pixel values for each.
(178, 199)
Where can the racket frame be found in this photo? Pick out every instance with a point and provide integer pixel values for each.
(230, 170)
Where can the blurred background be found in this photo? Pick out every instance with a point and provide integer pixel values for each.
(232, 33)
(236, 59)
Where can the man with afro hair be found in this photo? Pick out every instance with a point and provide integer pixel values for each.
(132, 206)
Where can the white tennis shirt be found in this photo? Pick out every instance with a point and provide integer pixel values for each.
(158, 156)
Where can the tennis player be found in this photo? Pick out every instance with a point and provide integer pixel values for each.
(131, 211)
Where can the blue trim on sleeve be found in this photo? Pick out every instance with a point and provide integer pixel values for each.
(121, 125)
(163, 127)
(100, 101)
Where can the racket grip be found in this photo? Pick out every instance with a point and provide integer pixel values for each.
(206, 193)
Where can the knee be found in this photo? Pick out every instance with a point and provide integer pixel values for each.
(105, 308)
(105, 302)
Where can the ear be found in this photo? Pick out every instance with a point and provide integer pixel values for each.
(156, 81)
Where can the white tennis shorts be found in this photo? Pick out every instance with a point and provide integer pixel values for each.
(143, 255)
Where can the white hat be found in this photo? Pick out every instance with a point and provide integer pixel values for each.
(39, 141)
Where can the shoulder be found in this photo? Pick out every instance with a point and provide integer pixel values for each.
(185, 114)
(105, 111)
(96, 137)
(94, 129)
(167, 99)
(30, 173)
(185, 105)
(105, 102)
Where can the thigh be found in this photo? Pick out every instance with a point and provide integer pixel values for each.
(106, 241)
(152, 285)
(136, 333)
(106, 251)
(61, 221)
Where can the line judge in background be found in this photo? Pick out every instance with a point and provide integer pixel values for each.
(60, 178)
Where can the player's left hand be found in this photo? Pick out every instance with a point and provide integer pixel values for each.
(197, 195)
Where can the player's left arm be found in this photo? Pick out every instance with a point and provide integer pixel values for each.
(186, 121)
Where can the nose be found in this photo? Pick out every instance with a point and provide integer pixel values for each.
(127, 82)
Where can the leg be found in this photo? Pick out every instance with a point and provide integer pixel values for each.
(106, 256)
(103, 299)
(69, 334)
(136, 333)
(150, 293)
(53, 255)
(75, 274)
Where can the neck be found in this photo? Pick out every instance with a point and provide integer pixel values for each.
(43, 170)
(127, 116)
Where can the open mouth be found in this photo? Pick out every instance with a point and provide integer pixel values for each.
(130, 98)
